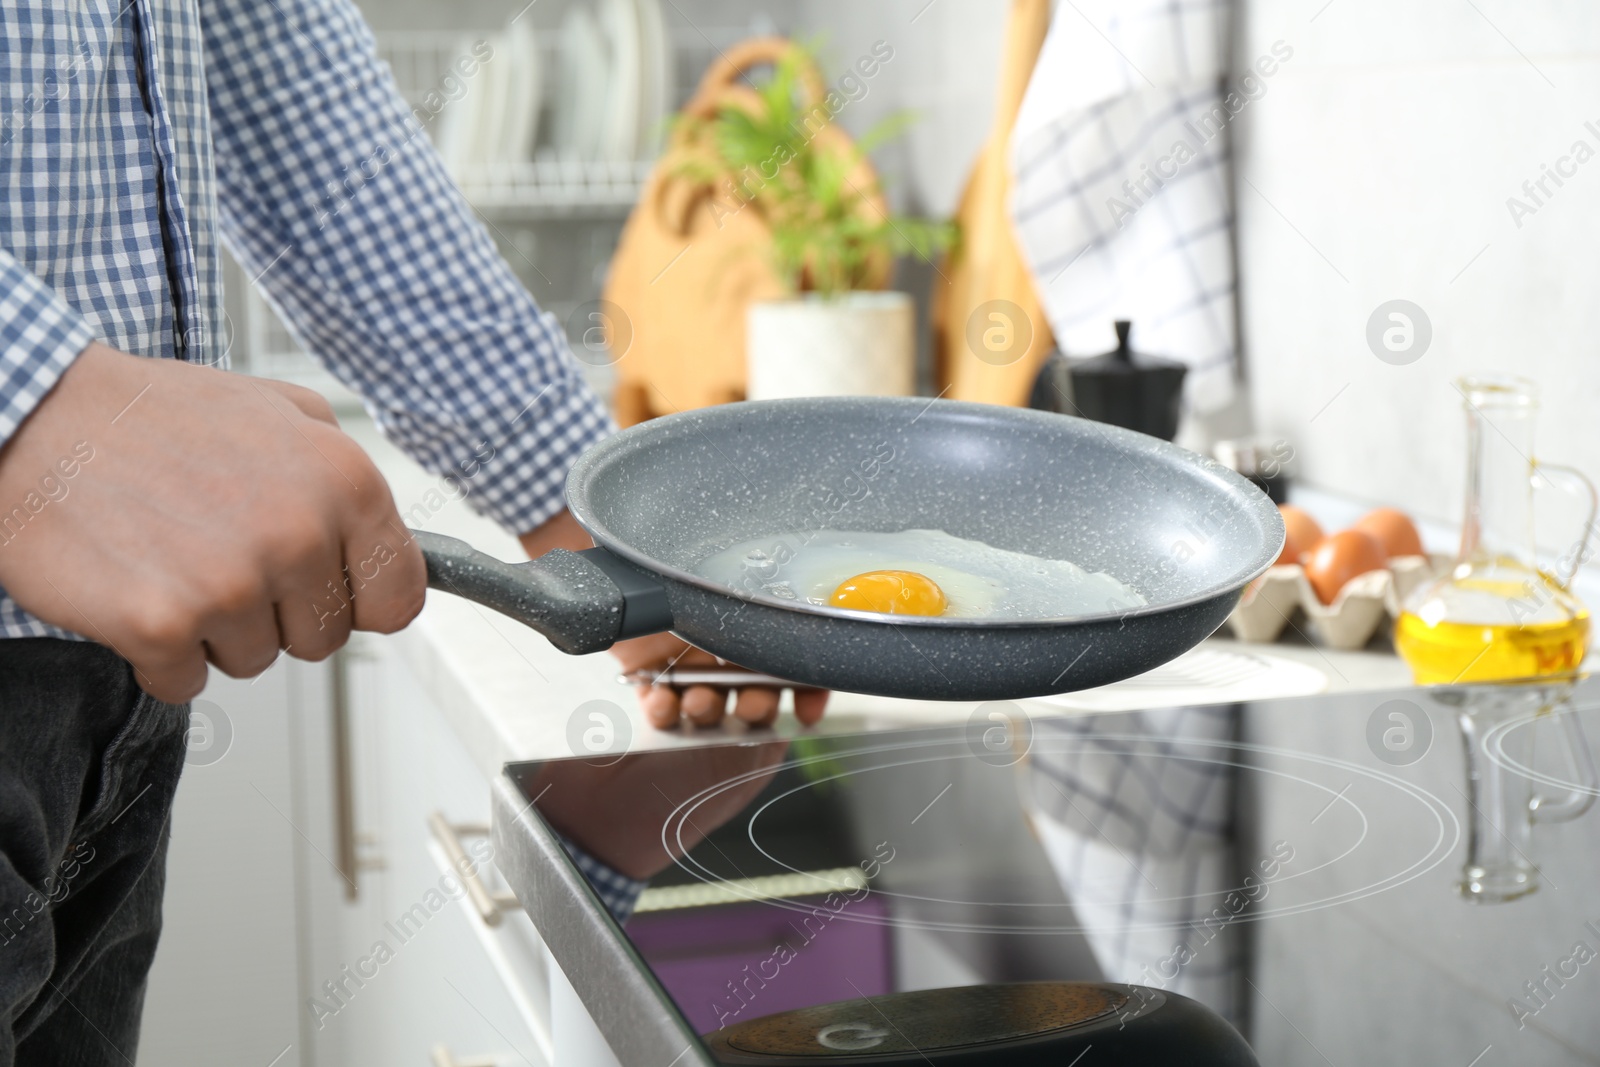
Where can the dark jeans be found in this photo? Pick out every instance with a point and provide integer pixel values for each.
(88, 767)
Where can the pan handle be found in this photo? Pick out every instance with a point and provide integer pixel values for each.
(582, 601)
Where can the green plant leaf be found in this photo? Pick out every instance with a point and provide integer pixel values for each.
(823, 239)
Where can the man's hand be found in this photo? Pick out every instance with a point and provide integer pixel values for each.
(664, 705)
(181, 514)
(704, 705)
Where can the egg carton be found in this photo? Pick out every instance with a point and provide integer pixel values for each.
(1272, 602)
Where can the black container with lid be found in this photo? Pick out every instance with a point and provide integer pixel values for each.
(1123, 387)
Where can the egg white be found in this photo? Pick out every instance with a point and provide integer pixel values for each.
(979, 580)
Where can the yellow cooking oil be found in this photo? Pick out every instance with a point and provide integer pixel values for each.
(1547, 632)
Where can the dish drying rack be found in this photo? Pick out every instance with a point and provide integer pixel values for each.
(518, 196)
(550, 183)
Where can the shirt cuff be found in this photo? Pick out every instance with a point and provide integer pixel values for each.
(40, 336)
(619, 893)
(508, 453)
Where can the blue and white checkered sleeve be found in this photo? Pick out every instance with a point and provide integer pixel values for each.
(619, 893)
(331, 194)
(40, 336)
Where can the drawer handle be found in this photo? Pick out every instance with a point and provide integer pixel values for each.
(489, 906)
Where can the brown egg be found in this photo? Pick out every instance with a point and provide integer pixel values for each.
(1340, 557)
(1300, 533)
(1391, 529)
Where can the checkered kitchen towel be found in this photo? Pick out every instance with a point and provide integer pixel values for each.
(1135, 811)
(1123, 203)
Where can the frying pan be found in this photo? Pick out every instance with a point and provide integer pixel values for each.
(660, 497)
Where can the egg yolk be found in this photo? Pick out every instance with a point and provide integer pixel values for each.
(890, 593)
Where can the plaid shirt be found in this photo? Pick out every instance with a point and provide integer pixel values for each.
(619, 893)
(131, 134)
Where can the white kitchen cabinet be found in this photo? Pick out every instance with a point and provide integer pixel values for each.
(267, 954)
(225, 981)
(432, 983)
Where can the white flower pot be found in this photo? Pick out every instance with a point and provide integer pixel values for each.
(855, 344)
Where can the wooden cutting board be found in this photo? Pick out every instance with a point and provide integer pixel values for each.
(694, 255)
(990, 334)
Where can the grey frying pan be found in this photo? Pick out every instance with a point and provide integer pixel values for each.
(660, 497)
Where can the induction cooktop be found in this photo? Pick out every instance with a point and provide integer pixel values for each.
(1344, 879)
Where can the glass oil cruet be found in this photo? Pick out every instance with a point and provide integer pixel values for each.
(1505, 638)
(1497, 615)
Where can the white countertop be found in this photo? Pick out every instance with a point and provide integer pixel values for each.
(511, 696)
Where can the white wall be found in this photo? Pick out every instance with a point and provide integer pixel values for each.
(1386, 147)
(1391, 142)
(945, 67)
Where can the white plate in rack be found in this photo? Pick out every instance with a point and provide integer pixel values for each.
(488, 97)
(519, 114)
(619, 19)
(582, 94)
(658, 76)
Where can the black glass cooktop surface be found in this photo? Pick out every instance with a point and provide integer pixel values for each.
(1409, 877)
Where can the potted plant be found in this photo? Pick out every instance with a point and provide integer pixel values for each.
(776, 150)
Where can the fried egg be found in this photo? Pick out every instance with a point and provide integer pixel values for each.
(914, 572)
(891, 593)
